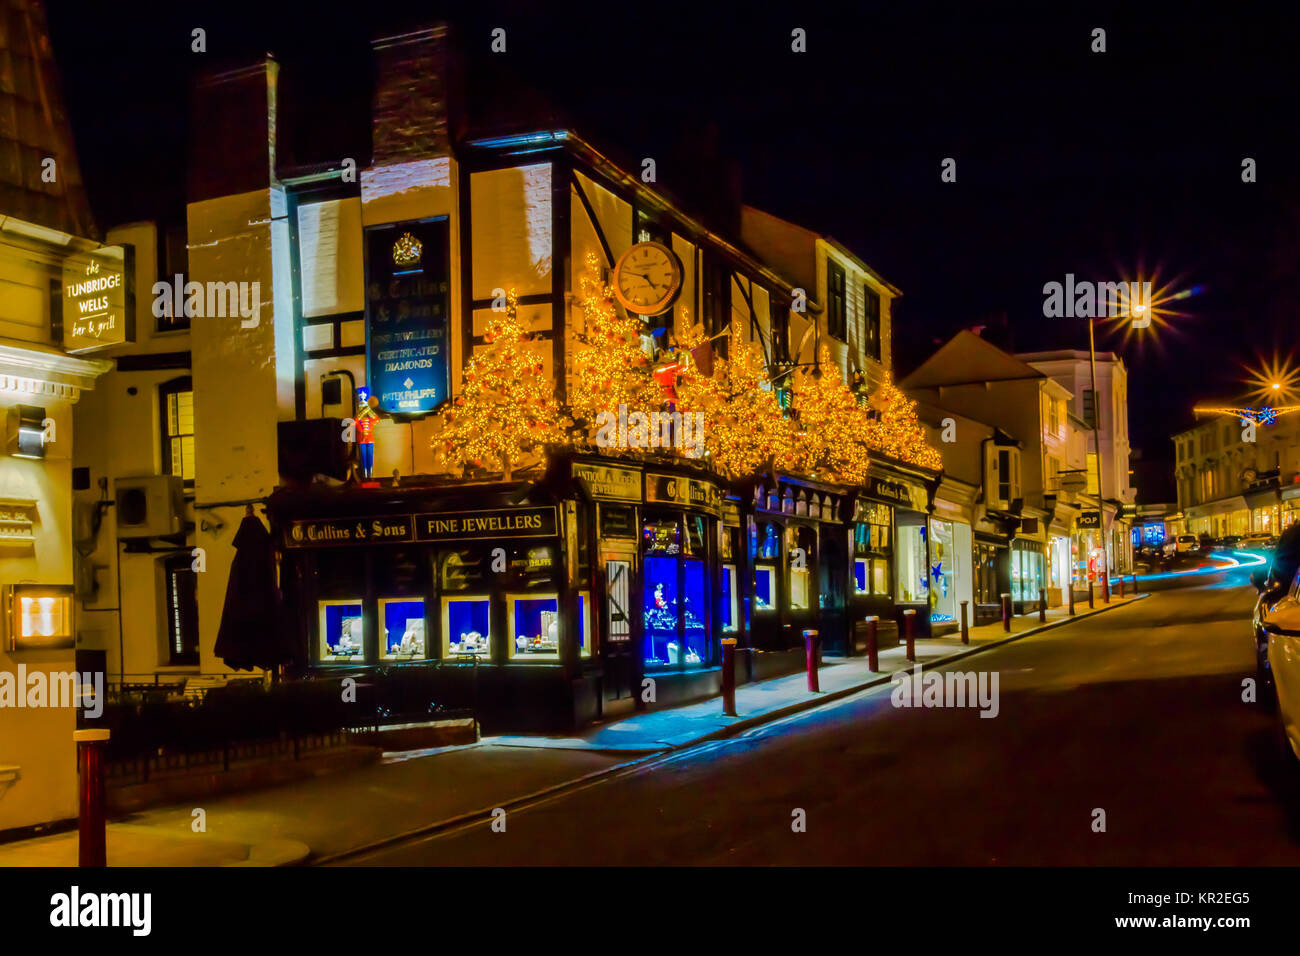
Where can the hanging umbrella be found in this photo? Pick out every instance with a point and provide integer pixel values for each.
(250, 634)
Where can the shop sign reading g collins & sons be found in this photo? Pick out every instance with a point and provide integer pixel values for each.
(97, 300)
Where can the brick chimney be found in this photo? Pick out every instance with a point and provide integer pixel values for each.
(232, 138)
(413, 106)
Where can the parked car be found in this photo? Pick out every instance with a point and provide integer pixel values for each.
(1256, 541)
(1276, 586)
(1182, 543)
(1229, 543)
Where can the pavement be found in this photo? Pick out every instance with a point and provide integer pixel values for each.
(415, 792)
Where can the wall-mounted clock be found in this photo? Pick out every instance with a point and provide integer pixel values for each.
(647, 278)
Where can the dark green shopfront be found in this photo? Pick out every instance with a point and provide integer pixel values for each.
(596, 588)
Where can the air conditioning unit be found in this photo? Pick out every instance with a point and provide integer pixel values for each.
(151, 506)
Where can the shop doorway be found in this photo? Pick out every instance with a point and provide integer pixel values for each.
(833, 564)
(621, 667)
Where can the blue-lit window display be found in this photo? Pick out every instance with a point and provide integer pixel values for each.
(401, 629)
(661, 641)
(871, 576)
(765, 588)
(584, 624)
(696, 600)
(465, 627)
(342, 631)
(730, 599)
(534, 621)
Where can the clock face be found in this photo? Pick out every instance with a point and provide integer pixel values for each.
(647, 278)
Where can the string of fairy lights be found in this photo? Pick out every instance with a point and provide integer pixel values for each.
(507, 415)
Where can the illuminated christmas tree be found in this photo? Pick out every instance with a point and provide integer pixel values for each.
(745, 430)
(831, 431)
(507, 411)
(897, 432)
(610, 368)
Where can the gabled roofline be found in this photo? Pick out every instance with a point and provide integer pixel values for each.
(550, 140)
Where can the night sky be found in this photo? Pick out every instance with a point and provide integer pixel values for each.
(1103, 165)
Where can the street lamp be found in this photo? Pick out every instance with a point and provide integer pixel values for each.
(1096, 444)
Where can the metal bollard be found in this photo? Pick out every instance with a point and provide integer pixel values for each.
(1070, 585)
(1042, 605)
(909, 629)
(1090, 597)
(873, 644)
(812, 647)
(92, 841)
(1006, 612)
(965, 631)
(1105, 587)
(729, 676)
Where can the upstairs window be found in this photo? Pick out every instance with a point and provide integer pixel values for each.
(836, 321)
(871, 311)
(176, 400)
(173, 261)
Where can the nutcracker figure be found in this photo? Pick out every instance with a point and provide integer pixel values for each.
(366, 420)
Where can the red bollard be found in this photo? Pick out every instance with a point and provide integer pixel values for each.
(92, 841)
(909, 630)
(873, 644)
(812, 647)
(729, 676)
(1105, 587)
(965, 631)
(1006, 612)
(1042, 605)
(1070, 585)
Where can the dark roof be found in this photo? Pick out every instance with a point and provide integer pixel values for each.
(34, 127)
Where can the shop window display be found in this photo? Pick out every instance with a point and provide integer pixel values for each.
(465, 626)
(871, 576)
(765, 588)
(693, 607)
(662, 537)
(730, 611)
(803, 547)
(534, 626)
(401, 629)
(660, 611)
(913, 571)
(584, 624)
(943, 569)
(342, 631)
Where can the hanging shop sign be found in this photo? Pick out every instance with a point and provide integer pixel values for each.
(1089, 519)
(684, 492)
(611, 484)
(407, 307)
(97, 302)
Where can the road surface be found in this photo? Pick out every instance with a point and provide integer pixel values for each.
(1137, 712)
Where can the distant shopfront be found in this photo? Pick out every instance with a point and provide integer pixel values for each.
(892, 569)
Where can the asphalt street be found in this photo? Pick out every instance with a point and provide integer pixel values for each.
(1137, 713)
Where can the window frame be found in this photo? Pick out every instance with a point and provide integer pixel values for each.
(872, 330)
(837, 318)
(175, 386)
(186, 619)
